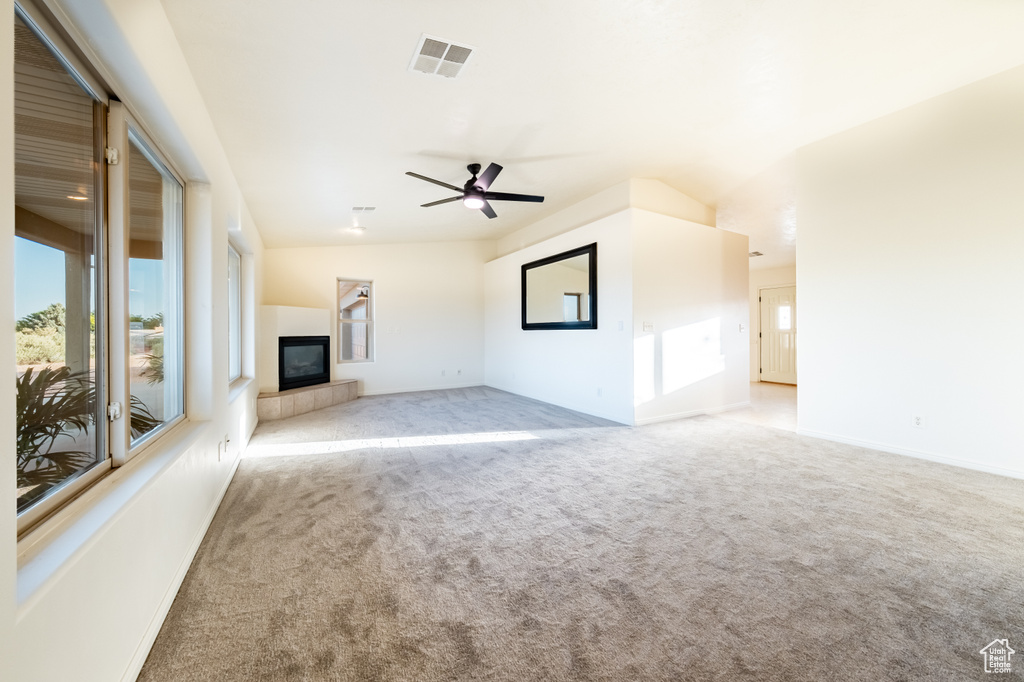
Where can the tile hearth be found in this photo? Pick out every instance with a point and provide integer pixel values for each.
(296, 401)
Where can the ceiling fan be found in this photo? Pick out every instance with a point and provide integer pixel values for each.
(474, 194)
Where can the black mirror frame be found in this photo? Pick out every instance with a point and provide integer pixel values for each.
(588, 250)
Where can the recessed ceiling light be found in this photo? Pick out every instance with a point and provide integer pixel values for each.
(356, 229)
(77, 198)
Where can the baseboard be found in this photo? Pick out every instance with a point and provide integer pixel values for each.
(131, 673)
(916, 454)
(692, 413)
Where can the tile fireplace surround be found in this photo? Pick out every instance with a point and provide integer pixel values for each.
(296, 401)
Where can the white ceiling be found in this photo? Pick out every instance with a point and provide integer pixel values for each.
(318, 111)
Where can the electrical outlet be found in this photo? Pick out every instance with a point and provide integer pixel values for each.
(919, 421)
(600, 392)
(458, 373)
(442, 372)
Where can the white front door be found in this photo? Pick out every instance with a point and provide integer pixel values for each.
(778, 335)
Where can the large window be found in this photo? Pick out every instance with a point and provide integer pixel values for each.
(234, 314)
(355, 321)
(98, 281)
(57, 226)
(154, 291)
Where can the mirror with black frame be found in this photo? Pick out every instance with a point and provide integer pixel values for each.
(560, 291)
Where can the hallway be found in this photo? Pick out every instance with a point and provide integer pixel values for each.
(771, 405)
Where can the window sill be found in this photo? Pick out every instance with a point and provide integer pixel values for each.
(46, 552)
(237, 388)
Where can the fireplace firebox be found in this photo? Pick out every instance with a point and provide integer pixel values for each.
(303, 361)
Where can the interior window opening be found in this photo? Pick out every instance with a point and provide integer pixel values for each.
(355, 321)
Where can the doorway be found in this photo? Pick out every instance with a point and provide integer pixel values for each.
(778, 321)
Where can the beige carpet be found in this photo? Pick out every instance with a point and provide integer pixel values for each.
(476, 535)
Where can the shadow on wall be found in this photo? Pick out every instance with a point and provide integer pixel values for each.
(682, 356)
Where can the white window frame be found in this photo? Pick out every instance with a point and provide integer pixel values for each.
(371, 351)
(112, 380)
(235, 315)
(63, 492)
(123, 128)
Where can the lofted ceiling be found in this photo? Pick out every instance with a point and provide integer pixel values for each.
(319, 112)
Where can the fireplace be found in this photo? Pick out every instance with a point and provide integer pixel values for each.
(303, 361)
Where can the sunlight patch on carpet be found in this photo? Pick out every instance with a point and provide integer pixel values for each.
(328, 447)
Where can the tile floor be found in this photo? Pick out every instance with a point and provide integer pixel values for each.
(770, 405)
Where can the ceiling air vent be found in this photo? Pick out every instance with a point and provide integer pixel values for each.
(440, 57)
(755, 254)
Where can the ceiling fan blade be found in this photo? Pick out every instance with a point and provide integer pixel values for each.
(436, 182)
(488, 211)
(440, 201)
(503, 196)
(487, 177)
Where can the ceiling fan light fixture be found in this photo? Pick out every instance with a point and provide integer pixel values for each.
(476, 194)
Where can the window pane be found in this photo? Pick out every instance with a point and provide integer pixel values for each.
(355, 326)
(234, 315)
(154, 293)
(785, 321)
(55, 272)
(355, 337)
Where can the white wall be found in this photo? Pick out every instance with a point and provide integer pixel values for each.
(428, 307)
(661, 261)
(910, 279)
(602, 204)
(93, 584)
(589, 370)
(657, 197)
(690, 288)
(767, 277)
(644, 193)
